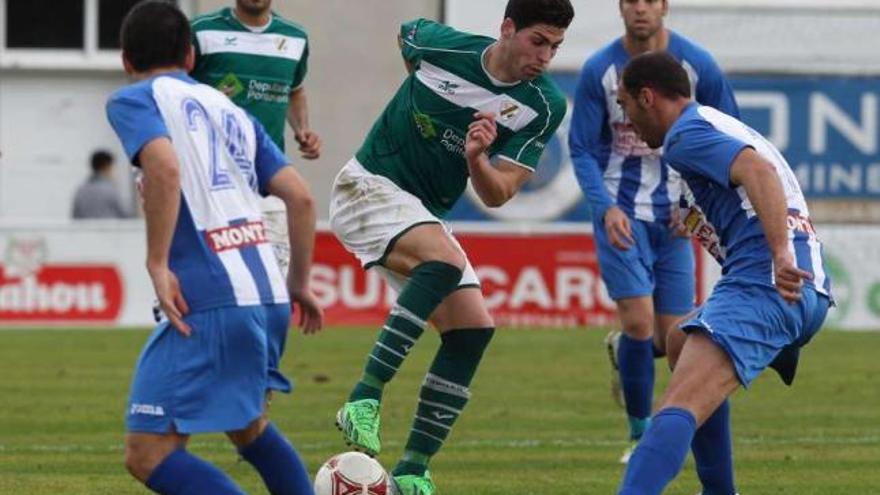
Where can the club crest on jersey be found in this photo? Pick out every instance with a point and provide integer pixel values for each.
(236, 236)
(509, 110)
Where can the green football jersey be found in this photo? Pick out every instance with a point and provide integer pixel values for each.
(257, 70)
(418, 141)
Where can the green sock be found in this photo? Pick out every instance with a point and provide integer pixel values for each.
(428, 285)
(443, 395)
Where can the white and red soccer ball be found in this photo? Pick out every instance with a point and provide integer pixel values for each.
(352, 473)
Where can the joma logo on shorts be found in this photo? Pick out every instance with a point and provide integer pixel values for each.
(236, 236)
(148, 409)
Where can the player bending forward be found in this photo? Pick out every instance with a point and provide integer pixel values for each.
(774, 292)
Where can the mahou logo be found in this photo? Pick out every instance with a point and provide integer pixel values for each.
(32, 290)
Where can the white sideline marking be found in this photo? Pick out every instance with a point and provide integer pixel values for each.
(225, 446)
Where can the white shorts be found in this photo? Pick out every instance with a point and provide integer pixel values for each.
(369, 212)
(276, 233)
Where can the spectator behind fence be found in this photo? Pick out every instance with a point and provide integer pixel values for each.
(98, 196)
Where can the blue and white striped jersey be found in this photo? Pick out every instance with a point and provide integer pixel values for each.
(702, 146)
(219, 251)
(612, 164)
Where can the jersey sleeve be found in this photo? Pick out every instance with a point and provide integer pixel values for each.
(269, 158)
(587, 119)
(526, 146)
(418, 37)
(302, 67)
(700, 149)
(136, 119)
(714, 90)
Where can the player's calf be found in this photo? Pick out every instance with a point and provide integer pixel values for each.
(274, 458)
(145, 451)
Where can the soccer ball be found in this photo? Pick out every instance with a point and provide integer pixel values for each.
(352, 473)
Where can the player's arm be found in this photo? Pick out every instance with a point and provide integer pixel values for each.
(417, 37)
(298, 117)
(410, 68)
(136, 119)
(584, 142)
(494, 185)
(161, 188)
(298, 111)
(587, 118)
(764, 190)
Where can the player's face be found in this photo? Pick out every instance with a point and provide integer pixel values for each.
(638, 112)
(532, 48)
(643, 18)
(254, 7)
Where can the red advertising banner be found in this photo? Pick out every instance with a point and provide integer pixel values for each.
(535, 279)
(61, 294)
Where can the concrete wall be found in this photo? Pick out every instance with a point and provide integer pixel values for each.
(51, 120)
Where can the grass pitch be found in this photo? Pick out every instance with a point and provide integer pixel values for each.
(541, 421)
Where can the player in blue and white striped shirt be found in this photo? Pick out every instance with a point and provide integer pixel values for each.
(649, 272)
(774, 291)
(209, 367)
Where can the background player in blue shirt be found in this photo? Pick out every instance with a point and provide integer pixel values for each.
(649, 272)
(210, 366)
(773, 294)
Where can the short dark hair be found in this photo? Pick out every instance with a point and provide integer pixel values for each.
(155, 33)
(527, 13)
(101, 160)
(658, 71)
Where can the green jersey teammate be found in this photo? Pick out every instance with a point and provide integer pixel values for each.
(259, 60)
(468, 101)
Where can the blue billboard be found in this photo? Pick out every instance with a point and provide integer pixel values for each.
(827, 128)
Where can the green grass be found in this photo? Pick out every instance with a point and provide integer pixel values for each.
(541, 420)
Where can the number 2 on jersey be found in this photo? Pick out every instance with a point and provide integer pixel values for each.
(235, 145)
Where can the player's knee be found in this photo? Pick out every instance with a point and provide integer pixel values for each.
(246, 436)
(638, 329)
(451, 256)
(141, 460)
(675, 340)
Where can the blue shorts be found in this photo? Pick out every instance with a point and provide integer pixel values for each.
(757, 328)
(216, 379)
(659, 264)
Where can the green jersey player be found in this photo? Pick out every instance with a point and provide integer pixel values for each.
(259, 60)
(472, 107)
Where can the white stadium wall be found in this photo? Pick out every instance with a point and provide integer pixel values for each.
(52, 108)
(767, 36)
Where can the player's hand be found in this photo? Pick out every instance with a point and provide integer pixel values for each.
(481, 134)
(309, 143)
(170, 298)
(788, 278)
(618, 228)
(311, 316)
(676, 223)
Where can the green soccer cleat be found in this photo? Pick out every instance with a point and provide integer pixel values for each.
(359, 423)
(410, 484)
